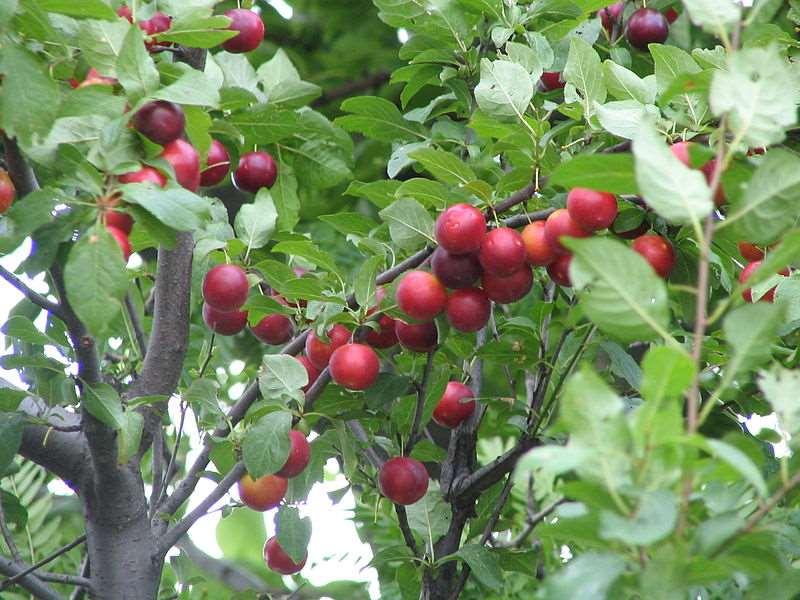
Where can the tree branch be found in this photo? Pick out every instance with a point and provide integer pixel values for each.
(29, 582)
(23, 573)
(415, 434)
(405, 528)
(170, 538)
(229, 573)
(136, 323)
(39, 300)
(65, 579)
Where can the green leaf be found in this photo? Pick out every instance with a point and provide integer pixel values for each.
(667, 373)
(380, 193)
(101, 43)
(624, 84)
(103, 403)
(713, 15)
(677, 193)
(265, 446)
(378, 119)
(670, 63)
(364, 286)
(11, 426)
(95, 279)
(23, 218)
(129, 436)
(85, 9)
(505, 88)
(255, 223)
(284, 195)
(584, 73)
(759, 111)
(175, 206)
(739, 461)
(265, 124)
(29, 98)
(309, 252)
(484, 564)
(320, 163)
(771, 202)
(202, 397)
(750, 331)
(624, 118)
(603, 172)
(429, 193)
(618, 289)
(282, 82)
(779, 387)
(294, 533)
(446, 167)
(282, 376)
(22, 328)
(199, 32)
(589, 575)
(135, 68)
(191, 88)
(528, 58)
(410, 225)
(653, 520)
(350, 223)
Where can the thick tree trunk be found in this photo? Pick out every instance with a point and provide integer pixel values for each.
(120, 541)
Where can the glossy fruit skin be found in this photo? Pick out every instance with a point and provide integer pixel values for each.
(611, 15)
(551, 80)
(590, 209)
(538, 250)
(421, 295)
(455, 271)
(160, 121)
(750, 251)
(671, 15)
(8, 193)
(509, 288)
(274, 329)
(144, 175)
(158, 23)
(680, 150)
(312, 371)
(124, 11)
(460, 229)
(647, 26)
(456, 405)
(250, 28)
(280, 562)
(264, 493)
(122, 240)
(386, 336)
(225, 287)
(468, 310)
(657, 251)
(319, 352)
(219, 161)
(120, 220)
(354, 366)
(560, 224)
(403, 480)
(502, 251)
(224, 323)
(558, 270)
(255, 170)
(747, 294)
(418, 337)
(299, 455)
(186, 162)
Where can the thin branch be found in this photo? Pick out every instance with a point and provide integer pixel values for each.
(773, 501)
(422, 389)
(229, 573)
(530, 524)
(372, 454)
(35, 297)
(528, 217)
(173, 535)
(79, 593)
(136, 323)
(38, 565)
(9, 537)
(489, 474)
(316, 389)
(172, 458)
(20, 171)
(31, 583)
(408, 536)
(159, 476)
(65, 579)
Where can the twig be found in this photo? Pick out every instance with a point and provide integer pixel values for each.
(530, 524)
(358, 431)
(65, 579)
(31, 583)
(773, 501)
(169, 538)
(35, 297)
(48, 559)
(136, 323)
(172, 458)
(408, 536)
(316, 389)
(79, 593)
(415, 434)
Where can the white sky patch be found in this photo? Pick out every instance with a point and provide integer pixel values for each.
(402, 35)
(283, 9)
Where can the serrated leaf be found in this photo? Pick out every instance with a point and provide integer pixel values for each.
(85, 9)
(410, 225)
(293, 533)
(348, 223)
(379, 119)
(584, 73)
(589, 575)
(101, 43)
(654, 519)
(266, 444)
(446, 167)
(484, 564)
(103, 403)
(667, 373)
(713, 15)
(676, 192)
(284, 194)
(364, 286)
(255, 223)
(618, 289)
(129, 436)
(759, 111)
(22, 328)
(199, 32)
(750, 331)
(282, 377)
(282, 82)
(176, 207)
(737, 460)
(505, 88)
(135, 68)
(624, 118)
(95, 279)
(192, 88)
(265, 124)
(309, 252)
(624, 84)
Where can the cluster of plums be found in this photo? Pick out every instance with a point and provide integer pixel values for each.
(266, 493)
(645, 26)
